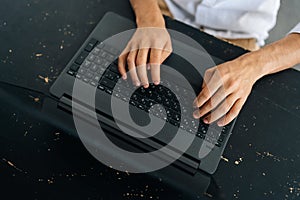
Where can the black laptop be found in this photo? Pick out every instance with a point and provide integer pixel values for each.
(95, 67)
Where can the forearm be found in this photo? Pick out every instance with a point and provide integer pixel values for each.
(147, 13)
(275, 57)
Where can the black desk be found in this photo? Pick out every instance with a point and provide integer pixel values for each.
(41, 161)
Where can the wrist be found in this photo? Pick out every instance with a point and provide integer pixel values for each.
(150, 20)
(255, 63)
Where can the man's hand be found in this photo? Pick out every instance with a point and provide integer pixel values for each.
(225, 90)
(147, 49)
(226, 87)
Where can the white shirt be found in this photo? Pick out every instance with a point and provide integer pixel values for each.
(229, 19)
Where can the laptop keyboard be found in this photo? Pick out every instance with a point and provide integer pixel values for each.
(97, 65)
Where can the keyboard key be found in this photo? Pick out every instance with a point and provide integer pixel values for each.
(78, 76)
(112, 76)
(191, 130)
(88, 75)
(93, 83)
(143, 101)
(173, 115)
(102, 53)
(158, 99)
(110, 57)
(220, 140)
(99, 61)
(86, 64)
(74, 67)
(175, 106)
(94, 67)
(101, 87)
(224, 130)
(201, 136)
(141, 107)
(91, 44)
(218, 144)
(105, 64)
(70, 72)
(175, 123)
(132, 103)
(108, 91)
(114, 68)
(96, 51)
(117, 95)
(91, 57)
(126, 99)
(96, 79)
(135, 97)
(82, 71)
(100, 71)
(107, 83)
(86, 80)
(79, 60)
(101, 45)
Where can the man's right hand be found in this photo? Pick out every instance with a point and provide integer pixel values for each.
(148, 48)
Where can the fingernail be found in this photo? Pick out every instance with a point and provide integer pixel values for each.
(195, 103)
(124, 77)
(137, 83)
(196, 114)
(156, 82)
(205, 121)
(220, 123)
(146, 85)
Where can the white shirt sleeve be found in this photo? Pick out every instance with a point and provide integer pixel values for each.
(296, 29)
(228, 18)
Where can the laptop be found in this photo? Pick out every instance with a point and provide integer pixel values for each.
(94, 66)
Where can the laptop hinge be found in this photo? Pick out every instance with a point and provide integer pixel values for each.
(185, 163)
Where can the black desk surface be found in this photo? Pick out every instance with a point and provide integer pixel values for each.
(40, 161)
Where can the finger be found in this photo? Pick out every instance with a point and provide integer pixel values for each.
(132, 68)
(141, 61)
(122, 61)
(214, 101)
(207, 76)
(221, 110)
(234, 111)
(209, 90)
(166, 51)
(155, 61)
(122, 65)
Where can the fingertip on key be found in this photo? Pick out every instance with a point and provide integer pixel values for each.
(156, 82)
(137, 83)
(220, 123)
(196, 114)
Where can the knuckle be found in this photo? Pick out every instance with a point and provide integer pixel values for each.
(130, 59)
(139, 62)
(155, 58)
(205, 94)
(231, 84)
